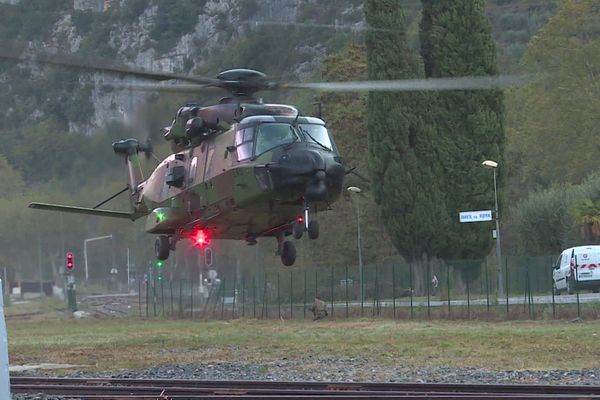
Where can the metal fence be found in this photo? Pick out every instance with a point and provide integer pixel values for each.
(452, 290)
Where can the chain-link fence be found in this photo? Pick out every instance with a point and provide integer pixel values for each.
(435, 289)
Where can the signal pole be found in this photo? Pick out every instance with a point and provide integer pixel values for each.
(4, 375)
(71, 295)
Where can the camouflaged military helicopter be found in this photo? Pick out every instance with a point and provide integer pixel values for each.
(240, 169)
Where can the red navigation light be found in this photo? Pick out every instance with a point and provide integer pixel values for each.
(200, 238)
(300, 219)
(69, 260)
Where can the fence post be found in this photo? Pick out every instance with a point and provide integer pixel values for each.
(305, 293)
(427, 284)
(278, 296)
(162, 296)
(331, 280)
(243, 296)
(531, 304)
(448, 286)
(578, 304)
(222, 291)
(192, 299)
(140, 296)
(265, 300)
(412, 314)
(526, 296)
(171, 292)
(291, 294)
(374, 293)
(154, 296)
(506, 282)
(362, 292)
(552, 290)
(234, 294)
(468, 299)
(253, 296)
(394, 288)
(346, 290)
(487, 287)
(181, 298)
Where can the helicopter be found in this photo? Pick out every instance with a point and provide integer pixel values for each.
(240, 169)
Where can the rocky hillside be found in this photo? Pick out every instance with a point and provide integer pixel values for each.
(286, 38)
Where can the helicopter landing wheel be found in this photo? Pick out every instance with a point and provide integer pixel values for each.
(162, 247)
(288, 253)
(313, 229)
(298, 229)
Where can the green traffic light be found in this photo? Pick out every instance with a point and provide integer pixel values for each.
(160, 263)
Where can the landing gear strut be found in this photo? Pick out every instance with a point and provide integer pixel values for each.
(304, 224)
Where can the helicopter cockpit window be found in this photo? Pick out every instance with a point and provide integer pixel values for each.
(314, 133)
(244, 139)
(272, 135)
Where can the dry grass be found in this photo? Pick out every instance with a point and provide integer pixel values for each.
(131, 343)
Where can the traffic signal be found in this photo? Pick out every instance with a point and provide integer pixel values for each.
(70, 261)
(208, 257)
(160, 264)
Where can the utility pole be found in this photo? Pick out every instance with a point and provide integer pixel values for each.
(494, 165)
(85, 258)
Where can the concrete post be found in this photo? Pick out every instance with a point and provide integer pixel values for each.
(4, 377)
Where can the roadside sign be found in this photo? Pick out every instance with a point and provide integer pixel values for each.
(475, 216)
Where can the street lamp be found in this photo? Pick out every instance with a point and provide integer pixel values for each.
(85, 258)
(494, 165)
(356, 190)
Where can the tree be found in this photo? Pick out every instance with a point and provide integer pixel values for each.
(456, 40)
(553, 125)
(402, 161)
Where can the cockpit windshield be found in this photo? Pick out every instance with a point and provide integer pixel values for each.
(316, 134)
(272, 135)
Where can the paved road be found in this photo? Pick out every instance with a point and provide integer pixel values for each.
(562, 299)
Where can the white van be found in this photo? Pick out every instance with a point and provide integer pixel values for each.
(577, 268)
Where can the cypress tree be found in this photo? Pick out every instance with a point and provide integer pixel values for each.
(456, 40)
(401, 154)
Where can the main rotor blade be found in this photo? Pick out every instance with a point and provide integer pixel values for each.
(404, 85)
(167, 88)
(99, 67)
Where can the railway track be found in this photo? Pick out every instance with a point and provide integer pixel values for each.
(119, 388)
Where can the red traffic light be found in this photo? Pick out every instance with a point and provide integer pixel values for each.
(200, 238)
(69, 260)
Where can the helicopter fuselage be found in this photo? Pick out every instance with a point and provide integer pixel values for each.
(249, 181)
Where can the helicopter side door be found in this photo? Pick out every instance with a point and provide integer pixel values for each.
(216, 188)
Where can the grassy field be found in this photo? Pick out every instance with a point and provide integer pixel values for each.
(114, 344)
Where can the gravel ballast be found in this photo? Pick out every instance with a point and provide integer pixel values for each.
(341, 370)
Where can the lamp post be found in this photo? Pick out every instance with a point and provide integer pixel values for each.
(494, 165)
(85, 258)
(356, 190)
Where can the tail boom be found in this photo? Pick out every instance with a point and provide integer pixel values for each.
(84, 210)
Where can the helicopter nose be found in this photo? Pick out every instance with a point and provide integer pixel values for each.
(318, 175)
